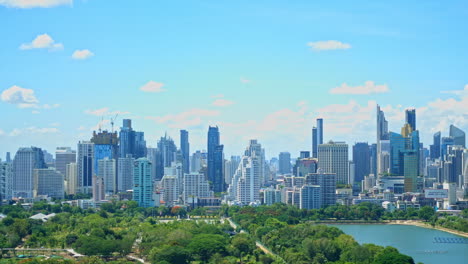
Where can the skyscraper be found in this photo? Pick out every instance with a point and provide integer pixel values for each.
(71, 178)
(458, 136)
(6, 178)
(215, 164)
(108, 172)
(24, 163)
(314, 142)
(105, 146)
(142, 183)
(319, 131)
(284, 163)
(382, 134)
(435, 147)
(125, 173)
(327, 183)
(85, 166)
(64, 156)
(410, 118)
(185, 149)
(195, 186)
(167, 152)
(373, 159)
(333, 158)
(444, 143)
(130, 141)
(310, 197)
(361, 159)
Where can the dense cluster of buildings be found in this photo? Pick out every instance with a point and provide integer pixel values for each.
(397, 171)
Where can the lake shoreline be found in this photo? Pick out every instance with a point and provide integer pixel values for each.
(397, 222)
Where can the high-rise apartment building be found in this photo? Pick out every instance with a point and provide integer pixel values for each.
(195, 186)
(64, 156)
(108, 172)
(310, 197)
(333, 158)
(71, 178)
(6, 178)
(327, 183)
(24, 163)
(170, 189)
(125, 173)
(166, 155)
(49, 182)
(143, 183)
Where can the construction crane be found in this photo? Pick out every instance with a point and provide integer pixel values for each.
(112, 121)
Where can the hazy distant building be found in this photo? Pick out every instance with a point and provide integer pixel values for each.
(195, 186)
(125, 170)
(215, 160)
(435, 147)
(382, 134)
(64, 156)
(131, 142)
(24, 163)
(71, 178)
(185, 149)
(98, 189)
(284, 163)
(333, 158)
(166, 155)
(362, 161)
(108, 172)
(458, 136)
(48, 182)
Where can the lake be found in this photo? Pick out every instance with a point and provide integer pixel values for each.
(414, 241)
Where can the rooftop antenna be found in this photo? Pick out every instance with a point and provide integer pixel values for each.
(112, 121)
(100, 123)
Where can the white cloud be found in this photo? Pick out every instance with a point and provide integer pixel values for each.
(153, 87)
(22, 97)
(190, 118)
(217, 96)
(222, 102)
(34, 130)
(244, 80)
(82, 54)
(2, 133)
(328, 45)
(35, 112)
(369, 87)
(105, 111)
(34, 3)
(43, 41)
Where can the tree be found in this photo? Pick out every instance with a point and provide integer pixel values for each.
(243, 245)
(391, 255)
(170, 254)
(426, 213)
(205, 245)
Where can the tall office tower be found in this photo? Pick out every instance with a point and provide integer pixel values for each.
(170, 188)
(48, 182)
(373, 159)
(455, 157)
(25, 161)
(195, 186)
(333, 158)
(255, 149)
(98, 189)
(125, 173)
(305, 166)
(48, 158)
(196, 161)
(314, 142)
(382, 134)
(458, 136)
(465, 169)
(143, 183)
(167, 154)
(319, 131)
(351, 172)
(85, 159)
(227, 172)
(284, 163)
(185, 149)
(140, 145)
(8, 157)
(215, 160)
(218, 183)
(304, 154)
(410, 118)
(435, 147)
(310, 197)
(404, 156)
(105, 146)
(362, 161)
(64, 156)
(6, 177)
(127, 139)
(71, 178)
(327, 183)
(108, 172)
(445, 142)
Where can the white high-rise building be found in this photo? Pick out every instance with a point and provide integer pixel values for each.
(195, 186)
(26, 160)
(382, 134)
(107, 171)
(176, 170)
(48, 182)
(333, 158)
(125, 173)
(170, 189)
(85, 166)
(6, 177)
(254, 149)
(71, 178)
(271, 196)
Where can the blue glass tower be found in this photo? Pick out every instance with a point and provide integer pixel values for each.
(143, 183)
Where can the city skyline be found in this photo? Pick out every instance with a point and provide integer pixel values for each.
(60, 80)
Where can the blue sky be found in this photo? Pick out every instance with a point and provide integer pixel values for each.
(257, 69)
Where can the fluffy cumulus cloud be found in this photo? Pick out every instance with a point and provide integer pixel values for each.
(43, 41)
(222, 102)
(369, 87)
(34, 3)
(153, 87)
(328, 45)
(105, 111)
(82, 54)
(22, 97)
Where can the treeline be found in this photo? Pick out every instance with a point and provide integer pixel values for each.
(278, 228)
